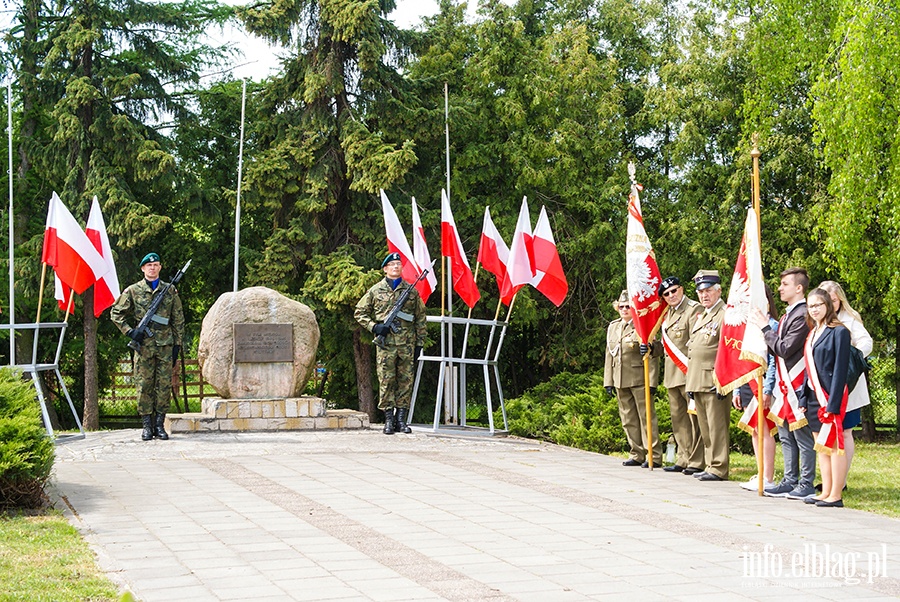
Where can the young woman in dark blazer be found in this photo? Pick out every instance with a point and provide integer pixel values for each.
(827, 355)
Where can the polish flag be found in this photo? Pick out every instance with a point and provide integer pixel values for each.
(106, 290)
(451, 246)
(550, 278)
(61, 293)
(396, 241)
(422, 256)
(69, 251)
(520, 269)
(493, 252)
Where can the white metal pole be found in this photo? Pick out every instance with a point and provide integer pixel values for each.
(12, 291)
(237, 209)
(450, 406)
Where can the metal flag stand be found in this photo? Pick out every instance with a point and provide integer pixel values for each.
(449, 374)
(34, 368)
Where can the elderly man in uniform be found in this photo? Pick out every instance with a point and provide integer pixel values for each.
(676, 330)
(713, 411)
(623, 376)
(396, 361)
(153, 365)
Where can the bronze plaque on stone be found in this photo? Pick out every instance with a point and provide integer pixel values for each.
(262, 343)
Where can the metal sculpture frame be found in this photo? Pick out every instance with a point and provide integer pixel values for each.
(449, 362)
(34, 368)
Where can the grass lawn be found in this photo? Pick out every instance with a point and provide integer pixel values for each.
(44, 558)
(873, 484)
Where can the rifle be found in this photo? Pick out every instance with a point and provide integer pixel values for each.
(142, 330)
(391, 320)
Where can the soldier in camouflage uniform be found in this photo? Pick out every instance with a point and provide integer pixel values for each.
(153, 365)
(396, 362)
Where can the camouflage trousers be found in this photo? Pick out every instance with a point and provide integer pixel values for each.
(396, 371)
(153, 379)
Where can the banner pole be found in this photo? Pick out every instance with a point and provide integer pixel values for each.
(760, 414)
(649, 416)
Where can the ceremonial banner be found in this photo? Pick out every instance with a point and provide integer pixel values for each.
(742, 354)
(642, 272)
(451, 246)
(69, 251)
(520, 269)
(550, 278)
(422, 257)
(493, 253)
(106, 289)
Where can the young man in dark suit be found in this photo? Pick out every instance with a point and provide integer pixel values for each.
(787, 346)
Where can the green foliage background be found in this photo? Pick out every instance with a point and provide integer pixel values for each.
(548, 100)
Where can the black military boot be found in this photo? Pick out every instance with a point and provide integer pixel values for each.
(402, 427)
(389, 421)
(161, 427)
(147, 422)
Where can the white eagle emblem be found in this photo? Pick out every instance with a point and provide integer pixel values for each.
(640, 279)
(738, 307)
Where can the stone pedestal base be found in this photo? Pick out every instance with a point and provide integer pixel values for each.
(288, 414)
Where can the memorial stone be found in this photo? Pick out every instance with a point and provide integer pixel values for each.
(258, 344)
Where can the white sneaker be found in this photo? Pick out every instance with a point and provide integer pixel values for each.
(753, 483)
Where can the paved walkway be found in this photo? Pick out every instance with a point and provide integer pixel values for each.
(361, 516)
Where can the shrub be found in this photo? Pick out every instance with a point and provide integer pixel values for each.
(26, 453)
(575, 410)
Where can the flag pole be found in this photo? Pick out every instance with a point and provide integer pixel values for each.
(237, 208)
(69, 305)
(760, 414)
(448, 270)
(12, 288)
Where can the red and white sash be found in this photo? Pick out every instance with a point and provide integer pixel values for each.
(785, 403)
(678, 357)
(831, 438)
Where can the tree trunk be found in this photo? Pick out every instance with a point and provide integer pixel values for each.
(91, 418)
(362, 356)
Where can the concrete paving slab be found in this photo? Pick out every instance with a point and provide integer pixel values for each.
(315, 516)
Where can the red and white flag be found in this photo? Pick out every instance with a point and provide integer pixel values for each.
(642, 272)
(520, 268)
(69, 251)
(493, 253)
(61, 293)
(106, 290)
(396, 241)
(422, 257)
(451, 246)
(550, 278)
(742, 354)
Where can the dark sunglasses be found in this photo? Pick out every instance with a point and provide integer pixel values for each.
(671, 291)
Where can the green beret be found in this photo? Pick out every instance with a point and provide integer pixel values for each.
(148, 258)
(389, 258)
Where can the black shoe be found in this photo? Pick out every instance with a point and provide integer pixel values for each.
(402, 427)
(389, 421)
(674, 468)
(834, 504)
(161, 428)
(691, 471)
(709, 477)
(147, 423)
(630, 462)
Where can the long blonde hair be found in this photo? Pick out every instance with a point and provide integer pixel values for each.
(833, 288)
